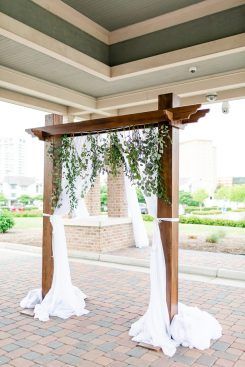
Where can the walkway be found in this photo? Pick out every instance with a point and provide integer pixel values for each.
(116, 298)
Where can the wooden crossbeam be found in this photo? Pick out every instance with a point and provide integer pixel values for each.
(172, 116)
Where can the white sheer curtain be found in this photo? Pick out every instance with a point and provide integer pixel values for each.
(63, 299)
(140, 234)
(190, 328)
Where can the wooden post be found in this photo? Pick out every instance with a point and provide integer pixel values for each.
(169, 229)
(47, 260)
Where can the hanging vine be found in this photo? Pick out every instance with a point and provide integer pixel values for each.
(138, 152)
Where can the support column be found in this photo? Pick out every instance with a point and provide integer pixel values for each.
(169, 229)
(47, 259)
(92, 198)
(116, 202)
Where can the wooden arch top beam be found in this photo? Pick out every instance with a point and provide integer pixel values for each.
(177, 117)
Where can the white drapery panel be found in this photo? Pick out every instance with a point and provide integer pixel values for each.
(140, 234)
(81, 210)
(63, 299)
(190, 328)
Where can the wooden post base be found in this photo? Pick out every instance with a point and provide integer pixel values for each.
(149, 346)
(27, 312)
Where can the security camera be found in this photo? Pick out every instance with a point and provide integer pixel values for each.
(211, 97)
(225, 107)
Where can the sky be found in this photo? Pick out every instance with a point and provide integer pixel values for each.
(226, 131)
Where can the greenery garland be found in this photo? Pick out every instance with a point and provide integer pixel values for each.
(138, 152)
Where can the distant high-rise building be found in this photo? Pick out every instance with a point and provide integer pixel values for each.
(12, 156)
(198, 166)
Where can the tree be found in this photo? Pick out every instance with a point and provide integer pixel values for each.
(200, 195)
(223, 193)
(103, 197)
(38, 197)
(25, 199)
(185, 198)
(238, 193)
(3, 199)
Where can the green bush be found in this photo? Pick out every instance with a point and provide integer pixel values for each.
(28, 213)
(147, 218)
(213, 238)
(6, 221)
(212, 222)
(206, 212)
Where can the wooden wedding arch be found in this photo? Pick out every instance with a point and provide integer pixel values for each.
(169, 112)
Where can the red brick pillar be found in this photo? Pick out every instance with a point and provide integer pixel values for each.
(92, 198)
(116, 204)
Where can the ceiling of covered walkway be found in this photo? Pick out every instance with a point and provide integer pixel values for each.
(84, 58)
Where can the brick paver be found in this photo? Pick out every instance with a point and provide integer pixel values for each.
(116, 298)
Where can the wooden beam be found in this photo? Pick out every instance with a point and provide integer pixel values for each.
(170, 116)
(47, 259)
(169, 229)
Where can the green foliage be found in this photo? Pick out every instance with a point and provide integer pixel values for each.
(3, 198)
(234, 193)
(38, 197)
(25, 199)
(238, 193)
(6, 221)
(147, 218)
(200, 195)
(103, 197)
(206, 212)
(185, 198)
(212, 222)
(140, 195)
(27, 213)
(215, 237)
(190, 209)
(143, 149)
(223, 193)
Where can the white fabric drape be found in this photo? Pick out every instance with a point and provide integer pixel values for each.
(140, 234)
(81, 210)
(190, 328)
(63, 299)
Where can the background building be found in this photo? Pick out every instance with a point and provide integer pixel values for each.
(12, 156)
(198, 166)
(14, 181)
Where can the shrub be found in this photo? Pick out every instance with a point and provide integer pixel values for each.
(6, 221)
(213, 238)
(147, 218)
(28, 213)
(206, 212)
(212, 222)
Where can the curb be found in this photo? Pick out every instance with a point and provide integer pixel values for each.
(124, 260)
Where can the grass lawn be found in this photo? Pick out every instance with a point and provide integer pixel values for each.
(200, 229)
(188, 229)
(30, 222)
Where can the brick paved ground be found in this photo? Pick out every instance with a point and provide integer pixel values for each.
(116, 299)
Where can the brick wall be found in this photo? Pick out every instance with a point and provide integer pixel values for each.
(117, 204)
(99, 238)
(92, 199)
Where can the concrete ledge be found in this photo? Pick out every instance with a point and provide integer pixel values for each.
(124, 260)
(100, 221)
(231, 274)
(199, 270)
